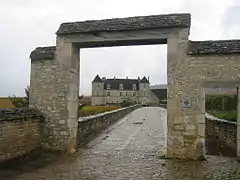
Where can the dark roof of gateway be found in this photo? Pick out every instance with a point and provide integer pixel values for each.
(214, 47)
(160, 93)
(115, 82)
(129, 23)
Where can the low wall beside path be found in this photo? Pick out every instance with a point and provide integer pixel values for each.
(19, 132)
(221, 136)
(90, 125)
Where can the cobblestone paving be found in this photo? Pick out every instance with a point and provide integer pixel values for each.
(130, 150)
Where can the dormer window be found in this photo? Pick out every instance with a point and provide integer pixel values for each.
(108, 86)
(121, 86)
(134, 87)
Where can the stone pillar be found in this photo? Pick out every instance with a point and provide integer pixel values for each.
(67, 56)
(185, 104)
(238, 123)
(54, 91)
(47, 94)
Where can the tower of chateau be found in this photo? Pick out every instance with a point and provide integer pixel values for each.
(144, 90)
(97, 91)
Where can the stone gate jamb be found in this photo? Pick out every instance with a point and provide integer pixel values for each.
(184, 139)
(54, 88)
(67, 56)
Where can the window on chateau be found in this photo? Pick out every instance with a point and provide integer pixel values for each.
(134, 94)
(143, 93)
(97, 93)
(126, 93)
(121, 86)
(134, 87)
(120, 93)
(108, 86)
(108, 93)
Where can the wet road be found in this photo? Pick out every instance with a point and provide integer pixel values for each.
(130, 150)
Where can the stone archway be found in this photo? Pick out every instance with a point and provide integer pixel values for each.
(55, 75)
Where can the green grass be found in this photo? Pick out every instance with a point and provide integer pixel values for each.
(227, 115)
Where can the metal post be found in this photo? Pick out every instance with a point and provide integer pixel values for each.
(238, 122)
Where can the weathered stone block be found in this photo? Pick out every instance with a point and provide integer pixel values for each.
(179, 127)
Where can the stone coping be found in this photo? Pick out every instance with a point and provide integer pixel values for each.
(7, 114)
(214, 47)
(86, 118)
(211, 117)
(43, 53)
(125, 24)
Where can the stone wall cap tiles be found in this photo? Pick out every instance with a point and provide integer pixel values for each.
(43, 53)
(213, 118)
(18, 113)
(214, 47)
(181, 20)
(86, 118)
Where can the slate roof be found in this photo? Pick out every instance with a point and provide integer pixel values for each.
(130, 23)
(43, 53)
(127, 83)
(97, 79)
(144, 80)
(115, 83)
(214, 47)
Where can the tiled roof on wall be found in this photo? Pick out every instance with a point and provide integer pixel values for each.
(214, 47)
(129, 23)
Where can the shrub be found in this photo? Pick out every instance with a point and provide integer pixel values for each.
(221, 103)
(127, 102)
(19, 102)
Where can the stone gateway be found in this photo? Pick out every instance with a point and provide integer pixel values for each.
(192, 65)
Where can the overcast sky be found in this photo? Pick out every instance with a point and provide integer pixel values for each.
(26, 24)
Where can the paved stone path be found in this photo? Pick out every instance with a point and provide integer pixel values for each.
(130, 150)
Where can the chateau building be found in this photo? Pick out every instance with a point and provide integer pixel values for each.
(115, 90)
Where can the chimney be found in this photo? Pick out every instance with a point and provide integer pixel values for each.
(103, 78)
(126, 77)
(114, 77)
(148, 78)
(138, 78)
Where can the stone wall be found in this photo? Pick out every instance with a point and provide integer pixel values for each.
(19, 132)
(221, 137)
(48, 94)
(90, 125)
(197, 66)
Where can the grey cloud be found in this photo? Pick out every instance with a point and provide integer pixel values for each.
(231, 22)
